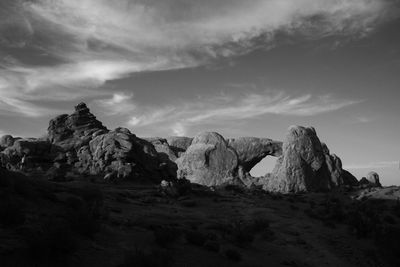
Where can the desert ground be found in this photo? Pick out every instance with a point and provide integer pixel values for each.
(88, 222)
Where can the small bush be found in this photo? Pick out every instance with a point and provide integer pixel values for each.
(389, 219)
(196, 238)
(189, 203)
(165, 236)
(212, 246)
(52, 244)
(11, 213)
(234, 188)
(396, 209)
(268, 235)
(233, 255)
(156, 258)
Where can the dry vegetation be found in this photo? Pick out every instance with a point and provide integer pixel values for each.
(82, 223)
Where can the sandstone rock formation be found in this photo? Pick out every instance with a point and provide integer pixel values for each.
(300, 168)
(251, 150)
(36, 152)
(80, 143)
(179, 144)
(373, 179)
(338, 176)
(6, 141)
(208, 161)
(122, 152)
(306, 165)
(89, 147)
(75, 130)
(166, 155)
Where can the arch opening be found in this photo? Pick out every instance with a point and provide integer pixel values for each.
(266, 165)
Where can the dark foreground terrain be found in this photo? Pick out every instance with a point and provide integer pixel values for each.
(92, 223)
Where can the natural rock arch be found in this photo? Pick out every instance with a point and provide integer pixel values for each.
(251, 150)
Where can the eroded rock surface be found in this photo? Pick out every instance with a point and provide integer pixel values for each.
(373, 179)
(6, 141)
(75, 130)
(251, 150)
(165, 153)
(122, 152)
(338, 176)
(36, 152)
(208, 161)
(179, 144)
(300, 168)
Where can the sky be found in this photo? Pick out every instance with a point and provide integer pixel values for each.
(240, 68)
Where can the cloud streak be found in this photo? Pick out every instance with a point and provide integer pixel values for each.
(96, 41)
(225, 109)
(374, 165)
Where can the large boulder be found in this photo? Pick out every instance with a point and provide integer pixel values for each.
(37, 152)
(208, 161)
(251, 150)
(75, 130)
(6, 141)
(301, 166)
(179, 144)
(121, 152)
(373, 179)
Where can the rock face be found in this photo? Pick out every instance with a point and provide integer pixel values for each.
(300, 168)
(179, 144)
(251, 150)
(338, 176)
(208, 161)
(6, 141)
(166, 155)
(121, 152)
(75, 130)
(36, 151)
(306, 165)
(373, 179)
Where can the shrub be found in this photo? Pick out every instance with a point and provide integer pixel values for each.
(234, 188)
(233, 255)
(84, 221)
(212, 246)
(52, 244)
(189, 203)
(196, 238)
(165, 236)
(139, 258)
(11, 212)
(389, 219)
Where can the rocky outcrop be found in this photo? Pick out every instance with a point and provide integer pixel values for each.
(300, 168)
(6, 141)
(373, 179)
(338, 176)
(208, 161)
(166, 155)
(121, 152)
(251, 150)
(179, 144)
(37, 152)
(75, 130)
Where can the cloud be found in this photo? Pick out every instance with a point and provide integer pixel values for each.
(374, 165)
(225, 109)
(120, 103)
(13, 106)
(96, 41)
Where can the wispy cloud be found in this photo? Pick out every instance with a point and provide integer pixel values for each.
(225, 109)
(95, 41)
(374, 165)
(119, 103)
